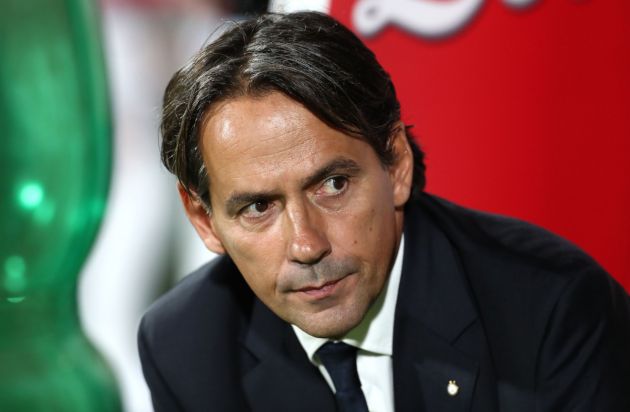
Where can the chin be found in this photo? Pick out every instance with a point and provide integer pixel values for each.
(332, 332)
(331, 325)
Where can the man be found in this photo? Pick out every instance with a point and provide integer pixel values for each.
(341, 285)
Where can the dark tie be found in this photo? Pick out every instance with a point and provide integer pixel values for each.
(340, 360)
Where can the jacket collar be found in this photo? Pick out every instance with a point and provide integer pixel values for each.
(434, 313)
(284, 379)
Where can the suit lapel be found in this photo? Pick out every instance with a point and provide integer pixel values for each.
(434, 314)
(283, 379)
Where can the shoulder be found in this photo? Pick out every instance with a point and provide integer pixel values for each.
(507, 255)
(542, 300)
(212, 292)
(192, 329)
(509, 239)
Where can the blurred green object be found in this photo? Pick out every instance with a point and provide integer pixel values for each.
(54, 175)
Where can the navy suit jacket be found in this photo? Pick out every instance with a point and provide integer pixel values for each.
(520, 319)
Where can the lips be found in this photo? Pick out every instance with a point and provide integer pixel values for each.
(319, 292)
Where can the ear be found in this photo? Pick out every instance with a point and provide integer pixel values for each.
(201, 219)
(401, 172)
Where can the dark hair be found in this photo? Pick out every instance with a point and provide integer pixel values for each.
(308, 56)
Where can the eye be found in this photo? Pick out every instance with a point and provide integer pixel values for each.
(334, 185)
(256, 209)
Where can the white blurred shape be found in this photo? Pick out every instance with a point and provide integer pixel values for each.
(519, 3)
(426, 18)
(144, 230)
(289, 6)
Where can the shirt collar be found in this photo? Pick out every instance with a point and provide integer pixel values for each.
(375, 333)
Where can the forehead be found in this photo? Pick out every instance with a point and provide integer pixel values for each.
(258, 142)
(257, 126)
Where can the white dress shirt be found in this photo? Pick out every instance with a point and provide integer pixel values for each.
(374, 338)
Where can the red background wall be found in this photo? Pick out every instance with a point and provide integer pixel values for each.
(526, 112)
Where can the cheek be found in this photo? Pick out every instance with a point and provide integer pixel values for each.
(258, 257)
(364, 232)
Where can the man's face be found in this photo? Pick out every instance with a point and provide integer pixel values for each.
(309, 215)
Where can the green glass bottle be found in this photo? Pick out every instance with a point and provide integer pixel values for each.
(55, 160)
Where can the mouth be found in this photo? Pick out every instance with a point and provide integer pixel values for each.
(322, 291)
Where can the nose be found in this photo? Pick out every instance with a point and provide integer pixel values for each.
(307, 240)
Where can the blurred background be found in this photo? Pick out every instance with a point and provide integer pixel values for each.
(145, 244)
(521, 105)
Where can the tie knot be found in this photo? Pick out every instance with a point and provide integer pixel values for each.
(337, 352)
(340, 360)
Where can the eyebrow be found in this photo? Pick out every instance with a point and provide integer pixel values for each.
(237, 200)
(337, 165)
